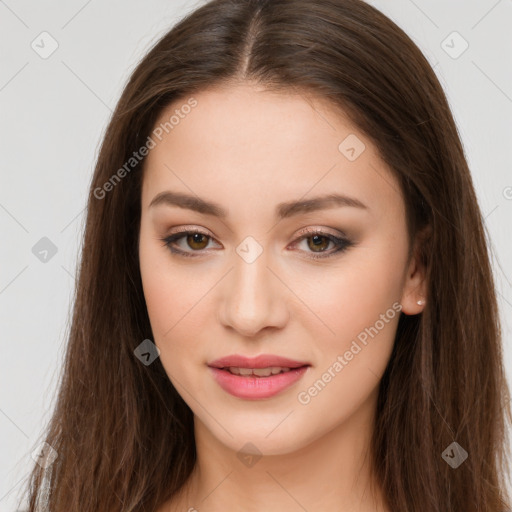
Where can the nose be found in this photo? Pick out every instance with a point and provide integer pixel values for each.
(253, 297)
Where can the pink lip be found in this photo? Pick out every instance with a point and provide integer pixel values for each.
(256, 387)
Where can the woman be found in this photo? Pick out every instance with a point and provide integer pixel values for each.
(284, 298)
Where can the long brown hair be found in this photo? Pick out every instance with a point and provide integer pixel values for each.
(123, 435)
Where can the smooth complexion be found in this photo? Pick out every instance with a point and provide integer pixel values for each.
(249, 150)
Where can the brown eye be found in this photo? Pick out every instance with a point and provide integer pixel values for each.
(319, 243)
(197, 241)
(187, 243)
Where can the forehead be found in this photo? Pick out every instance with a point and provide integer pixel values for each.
(242, 142)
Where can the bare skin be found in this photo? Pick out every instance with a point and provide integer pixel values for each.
(247, 150)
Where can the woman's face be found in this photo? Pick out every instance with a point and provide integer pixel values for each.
(276, 267)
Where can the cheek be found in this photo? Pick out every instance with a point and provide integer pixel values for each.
(173, 324)
(160, 284)
(173, 316)
(361, 312)
(358, 303)
(166, 288)
(175, 300)
(155, 283)
(355, 294)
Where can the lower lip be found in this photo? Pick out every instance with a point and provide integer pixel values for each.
(256, 387)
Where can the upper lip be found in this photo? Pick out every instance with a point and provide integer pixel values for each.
(261, 361)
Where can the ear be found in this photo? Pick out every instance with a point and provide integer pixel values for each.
(415, 285)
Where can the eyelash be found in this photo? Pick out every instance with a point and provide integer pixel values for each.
(342, 243)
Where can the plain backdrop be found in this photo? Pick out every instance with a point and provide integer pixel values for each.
(54, 111)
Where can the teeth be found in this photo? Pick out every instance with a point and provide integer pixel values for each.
(259, 372)
(262, 372)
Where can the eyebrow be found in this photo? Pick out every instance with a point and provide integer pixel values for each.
(283, 210)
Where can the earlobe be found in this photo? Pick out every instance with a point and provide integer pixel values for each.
(415, 286)
(413, 301)
(411, 304)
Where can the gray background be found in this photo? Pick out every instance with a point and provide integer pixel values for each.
(54, 112)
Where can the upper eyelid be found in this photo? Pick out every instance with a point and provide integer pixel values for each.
(321, 231)
(304, 231)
